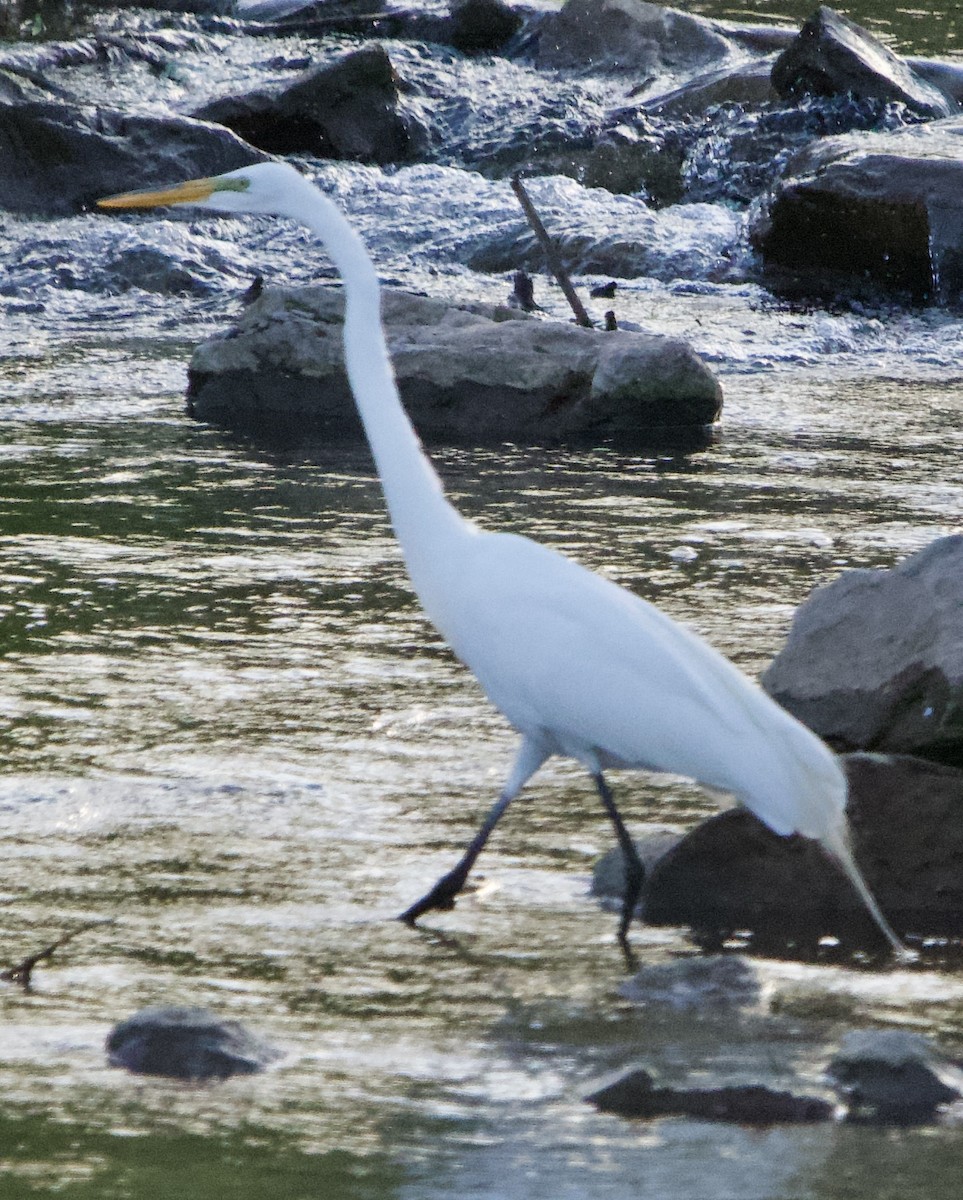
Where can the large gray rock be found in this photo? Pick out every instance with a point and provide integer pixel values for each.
(731, 873)
(874, 660)
(630, 36)
(881, 208)
(833, 56)
(56, 158)
(467, 375)
(350, 109)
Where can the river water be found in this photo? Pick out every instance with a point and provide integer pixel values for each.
(230, 736)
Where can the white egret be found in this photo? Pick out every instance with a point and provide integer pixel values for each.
(579, 666)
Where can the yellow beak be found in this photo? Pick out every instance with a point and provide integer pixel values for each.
(182, 193)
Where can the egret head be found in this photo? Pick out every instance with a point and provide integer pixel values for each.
(263, 188)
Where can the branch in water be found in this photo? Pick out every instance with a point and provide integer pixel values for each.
(555, 263)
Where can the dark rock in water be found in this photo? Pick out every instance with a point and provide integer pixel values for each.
(351, 109)
(474, 375)
(833, 56)
(870, 209)
(629, 35)
(56, 159)
(874, 660)
(608, 874)
(482, 26)
(186, 1043)
(890, 1076)
(635, 1095)
(745, 83)
(710, 982)
(732, 873)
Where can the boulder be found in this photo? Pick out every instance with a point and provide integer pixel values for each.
(707, 982)
(636, 1095)
(874, 660)
(832, 56)
(351, 109)
(57, 158)
(629, 36)
(186, 1043)
(480, 374)
(893, 1076)
(482, 26)
(731, 873)
(870, 209)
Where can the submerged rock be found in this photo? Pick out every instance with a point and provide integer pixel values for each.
(833, 56)
(877, 209)
(351, 109)
(467, 375)
(186, 1043)
(731, 873)
(636, 1095)
(56, 158)
(892, 1076)
(874, 660)
(707, 982)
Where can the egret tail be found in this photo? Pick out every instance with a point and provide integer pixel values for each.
(837, 846)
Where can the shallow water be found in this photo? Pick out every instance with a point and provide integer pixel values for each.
(230, 736)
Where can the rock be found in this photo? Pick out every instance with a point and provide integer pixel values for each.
(56, 158)
(482, 26)
(635, 1095)
(186, 1043)
(874, 660)
(892, 1076)
(483, 374)
(880, 209)
(745, 83)
(629, 36)
(833, 56)
(608, 874)
(351, 109)
(731, 873)
(712, 981)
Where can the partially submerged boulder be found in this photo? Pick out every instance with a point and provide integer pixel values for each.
(629, 36)
(874, 660)
(637, 1095)
(186, 1043)
(57, 158)
(870, 209)
(482, 374)
(893, 1076)
(350, 109)
(732, 873)
(833, 56)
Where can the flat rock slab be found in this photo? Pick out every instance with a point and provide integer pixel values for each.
(731, 873)
(636, 1095)
(186, 1043)
(877, 209)
(874, 660)
(473, 375)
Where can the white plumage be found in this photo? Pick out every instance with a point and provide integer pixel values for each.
(578, 665)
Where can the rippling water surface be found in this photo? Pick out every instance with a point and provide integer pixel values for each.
(230, 736)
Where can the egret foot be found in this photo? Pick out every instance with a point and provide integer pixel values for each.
(442, 896)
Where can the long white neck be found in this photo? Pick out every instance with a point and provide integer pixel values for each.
(424, 522)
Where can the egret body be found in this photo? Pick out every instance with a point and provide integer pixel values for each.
(579, 666)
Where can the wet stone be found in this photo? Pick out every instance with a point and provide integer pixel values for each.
(714, 981)
(892, 1076)
(636, 1095)
(186, 1043)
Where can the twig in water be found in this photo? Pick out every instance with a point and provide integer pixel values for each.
(22, 972)
(555, 263)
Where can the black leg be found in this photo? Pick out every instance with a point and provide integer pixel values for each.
(634, 871)
(443, 894)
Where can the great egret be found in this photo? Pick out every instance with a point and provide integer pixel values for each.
(579, 666)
